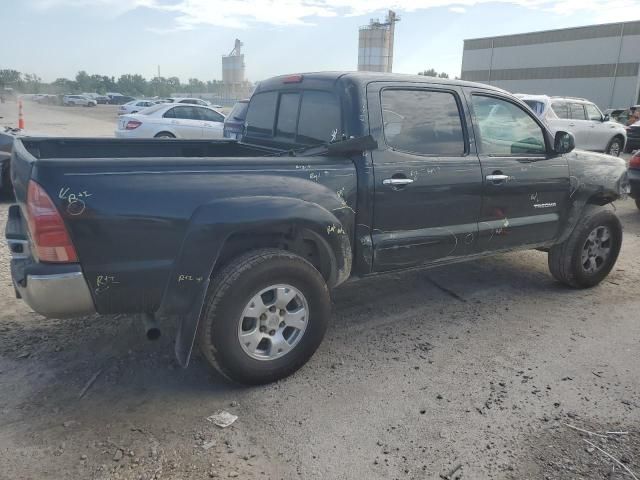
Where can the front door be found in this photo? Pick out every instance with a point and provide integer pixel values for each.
(601, 131)
(212, 123)
(427, 185)
(525, 185)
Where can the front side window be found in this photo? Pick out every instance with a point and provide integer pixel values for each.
(209, 115)
(505, 128)
(561, 109)
(577, 111)
(422, 122)
(592, 112)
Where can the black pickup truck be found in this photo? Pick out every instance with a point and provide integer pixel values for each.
(338, 175)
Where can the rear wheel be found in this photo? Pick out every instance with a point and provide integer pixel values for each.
(590, 252)
(614, 147)
(165, 135)
(266, 314)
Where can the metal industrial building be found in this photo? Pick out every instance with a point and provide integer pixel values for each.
(598, 62)
(375, 45)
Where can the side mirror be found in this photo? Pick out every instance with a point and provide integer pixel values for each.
(606, 117)
(564, 142)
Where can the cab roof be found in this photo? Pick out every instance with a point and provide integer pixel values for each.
(329, 79)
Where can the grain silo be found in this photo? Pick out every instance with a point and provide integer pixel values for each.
(375, 45)
(233, 68)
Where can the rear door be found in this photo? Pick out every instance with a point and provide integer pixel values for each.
(581, 127)
(185, 121)
(427, 188)
(525, 188)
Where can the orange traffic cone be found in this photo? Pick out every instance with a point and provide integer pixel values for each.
(20, 116)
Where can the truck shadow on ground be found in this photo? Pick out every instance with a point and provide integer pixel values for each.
(71, 351)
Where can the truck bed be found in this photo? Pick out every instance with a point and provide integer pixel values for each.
(140, 212)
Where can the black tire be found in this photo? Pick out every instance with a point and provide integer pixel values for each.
(615, 147)
(164, 135)
(638, 203)
(565, 259)
(230, 291)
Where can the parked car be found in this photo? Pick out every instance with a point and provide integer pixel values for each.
(633, 137)
(135, 106)
(619, 115)
(234, 123)
(634, 177)
(74, 100)
(169, 120)
(338, 175)
(192, 101)
(592, 130)
(102, 99)
(120, 99)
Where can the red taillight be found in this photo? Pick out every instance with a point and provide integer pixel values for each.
(50, 238)
(292, 79)
(634, 162)
(132, 124)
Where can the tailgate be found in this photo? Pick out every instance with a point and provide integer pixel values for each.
(21, 165)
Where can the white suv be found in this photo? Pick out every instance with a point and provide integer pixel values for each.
(70, 100)
(591, 129)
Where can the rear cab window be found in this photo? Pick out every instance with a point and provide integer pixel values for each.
(300, 117)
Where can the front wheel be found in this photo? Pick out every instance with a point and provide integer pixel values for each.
(614, 147)
(265, 315)
(590, 252)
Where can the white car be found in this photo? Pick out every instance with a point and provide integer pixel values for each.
(135, 106)
(170, 120)
(192, 101)
(72, 100)
(592, 130)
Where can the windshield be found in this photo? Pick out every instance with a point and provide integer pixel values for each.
(536, 106)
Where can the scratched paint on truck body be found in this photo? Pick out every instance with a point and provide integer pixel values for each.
(135, 219)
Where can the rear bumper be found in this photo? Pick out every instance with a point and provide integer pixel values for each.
(56, 295)
(52, 290)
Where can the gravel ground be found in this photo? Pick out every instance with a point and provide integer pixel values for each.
(490, 365)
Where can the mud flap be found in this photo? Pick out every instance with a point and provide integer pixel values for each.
(188, 327)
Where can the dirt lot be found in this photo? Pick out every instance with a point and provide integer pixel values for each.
(487, 365)
(98, 121)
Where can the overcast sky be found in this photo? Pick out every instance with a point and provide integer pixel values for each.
(56, 38)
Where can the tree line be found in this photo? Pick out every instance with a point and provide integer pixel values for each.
(432, 73)
(134, 85)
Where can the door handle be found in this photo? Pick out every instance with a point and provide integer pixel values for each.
(572, 124)
(497, 178)
(397, 181)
